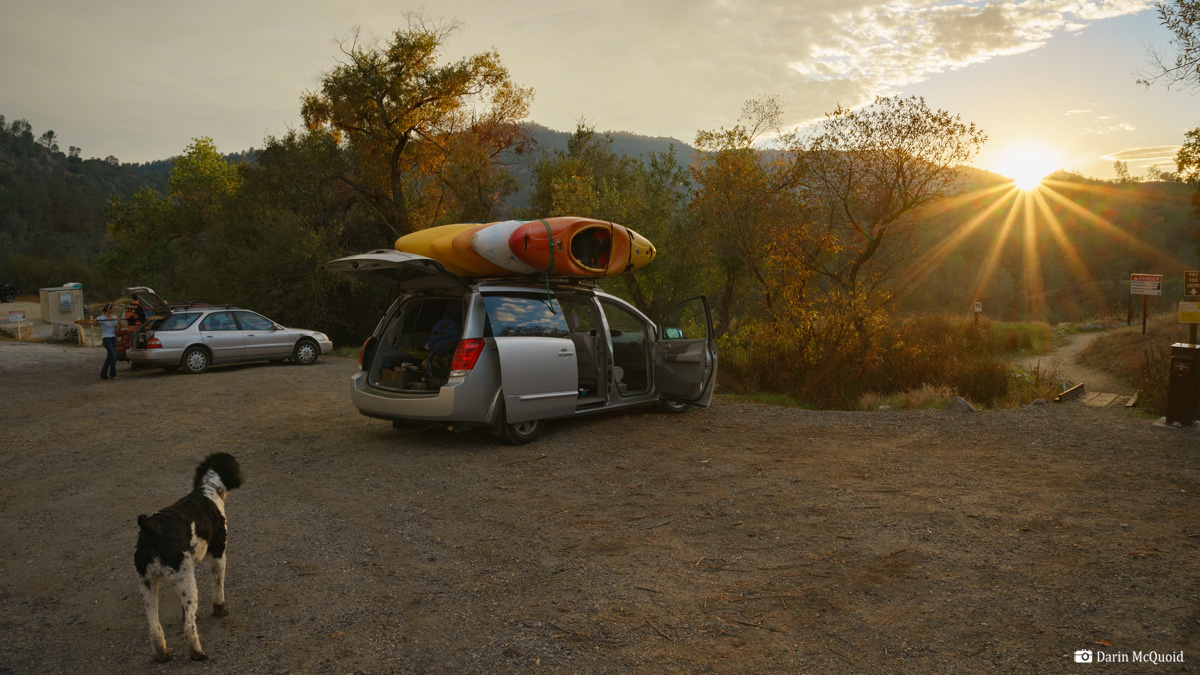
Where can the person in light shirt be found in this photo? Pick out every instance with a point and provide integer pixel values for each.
(108, 321)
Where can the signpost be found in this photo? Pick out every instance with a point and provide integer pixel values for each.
(17, 316)
(1189, 311)
(1145, 285)
(978, 311)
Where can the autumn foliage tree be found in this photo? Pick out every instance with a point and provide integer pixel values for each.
(162, 241)
(402, 117)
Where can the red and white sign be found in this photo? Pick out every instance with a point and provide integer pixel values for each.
(17, 315)
(1145, 284)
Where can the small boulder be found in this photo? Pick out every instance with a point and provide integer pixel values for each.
(1040, 401)
(959, 404)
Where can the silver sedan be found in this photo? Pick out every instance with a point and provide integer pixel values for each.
(192, 338)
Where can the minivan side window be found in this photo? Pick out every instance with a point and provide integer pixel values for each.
(526, 316)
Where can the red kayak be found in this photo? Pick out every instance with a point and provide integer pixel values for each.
(582, 247)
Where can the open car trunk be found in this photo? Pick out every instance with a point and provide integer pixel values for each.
(414, 351)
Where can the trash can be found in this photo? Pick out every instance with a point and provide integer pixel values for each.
(1183, 391)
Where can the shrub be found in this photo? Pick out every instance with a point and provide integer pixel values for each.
(1152, 379)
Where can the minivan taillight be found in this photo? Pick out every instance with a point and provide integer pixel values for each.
(362, 353)
(466, 355)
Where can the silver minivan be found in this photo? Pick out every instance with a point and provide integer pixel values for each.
(509, 354)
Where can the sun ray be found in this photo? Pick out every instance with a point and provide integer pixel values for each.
(1074, 261)
(989, 267)
(1110, 230)
(939, 253)
(1035, 287)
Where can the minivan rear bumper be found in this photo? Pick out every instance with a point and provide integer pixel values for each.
(457, 401)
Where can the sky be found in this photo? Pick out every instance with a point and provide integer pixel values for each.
(1052, 79)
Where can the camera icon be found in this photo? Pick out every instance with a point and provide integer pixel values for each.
(1083, 656)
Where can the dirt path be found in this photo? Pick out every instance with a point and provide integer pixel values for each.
(1064, 361)
(742, 538)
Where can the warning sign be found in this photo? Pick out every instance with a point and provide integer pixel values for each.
(1145, 284)
(16, 315)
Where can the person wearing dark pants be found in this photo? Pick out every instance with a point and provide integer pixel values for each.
(108, 330)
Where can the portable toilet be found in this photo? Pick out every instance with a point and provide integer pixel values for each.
(63, 304)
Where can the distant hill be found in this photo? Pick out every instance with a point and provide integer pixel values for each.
(52, 204)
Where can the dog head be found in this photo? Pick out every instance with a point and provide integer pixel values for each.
(224, 465)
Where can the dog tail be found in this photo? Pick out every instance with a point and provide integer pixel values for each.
(148, 526)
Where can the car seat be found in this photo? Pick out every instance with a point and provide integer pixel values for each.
(585, 352)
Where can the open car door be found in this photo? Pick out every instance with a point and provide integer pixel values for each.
(685, 354)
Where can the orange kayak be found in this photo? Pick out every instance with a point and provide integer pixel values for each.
(581, 247)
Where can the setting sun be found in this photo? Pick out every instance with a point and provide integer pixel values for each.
(1027, 164)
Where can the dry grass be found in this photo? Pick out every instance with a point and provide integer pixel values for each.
(1122, 352)
(925, 396)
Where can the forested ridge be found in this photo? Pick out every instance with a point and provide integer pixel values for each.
(816, 248)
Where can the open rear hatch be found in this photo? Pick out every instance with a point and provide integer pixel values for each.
(392, 268)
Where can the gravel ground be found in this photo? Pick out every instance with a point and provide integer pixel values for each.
(743, 538)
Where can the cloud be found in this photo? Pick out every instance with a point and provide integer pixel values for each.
(1107, 128)
(676, 65)
(1157, 153)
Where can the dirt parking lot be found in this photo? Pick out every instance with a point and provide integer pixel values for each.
(743, 538)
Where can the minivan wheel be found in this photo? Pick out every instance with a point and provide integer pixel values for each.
(306, 352)
(523, 432)
(195, 361)
(673, 407)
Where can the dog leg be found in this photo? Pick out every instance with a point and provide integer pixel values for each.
(150, 600)
(189, 597)
(218, 571)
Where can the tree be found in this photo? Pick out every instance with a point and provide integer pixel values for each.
(864, 174)
(166, 242)
(743, 199)
(395, 110)
(49, 140)
(1182, 19)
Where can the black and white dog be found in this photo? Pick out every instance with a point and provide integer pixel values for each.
(173, 541)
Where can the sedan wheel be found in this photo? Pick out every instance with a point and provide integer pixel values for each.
(195, 361)
(306, 352)
(523, 432)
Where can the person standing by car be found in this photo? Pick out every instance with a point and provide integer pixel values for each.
(108, 321)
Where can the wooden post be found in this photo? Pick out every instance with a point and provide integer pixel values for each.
(1145, 303)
